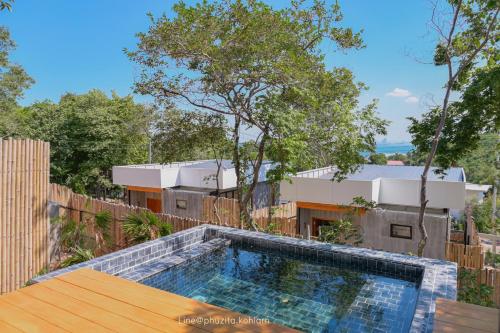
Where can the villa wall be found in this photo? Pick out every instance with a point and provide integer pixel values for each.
(139, 199)
(193, 200)
(376, 229)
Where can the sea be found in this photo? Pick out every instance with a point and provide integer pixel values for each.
(392, 148)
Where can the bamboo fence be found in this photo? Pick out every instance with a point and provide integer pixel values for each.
(24, 221)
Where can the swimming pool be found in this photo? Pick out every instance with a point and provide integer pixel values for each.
(296, 267)
(290, 290)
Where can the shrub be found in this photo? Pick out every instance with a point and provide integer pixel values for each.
(144, 226)
(471, 291)
(78, 255)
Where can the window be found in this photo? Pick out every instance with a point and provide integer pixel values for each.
(401, 231)
(181, 204)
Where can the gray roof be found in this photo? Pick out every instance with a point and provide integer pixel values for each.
(226, 164)
(371, 171)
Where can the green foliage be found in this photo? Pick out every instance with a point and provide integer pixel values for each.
(13, 79)
(471, 48)
(468, 122)
(30, 282)
(492, 259)
(341, 231)
(399, 157)
(362, 202)
(379, 159)
(72, 234)
(78, 255)
(6, 4)
(189, 135)
(102, 221)
(227, 58)
(480, 164)
(144, 226)
(88, 135)
(471, 291)
(482, 216)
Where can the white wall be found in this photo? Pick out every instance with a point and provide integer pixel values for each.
(170, 177)
(123, 175)
(441, 194)
(325, 191)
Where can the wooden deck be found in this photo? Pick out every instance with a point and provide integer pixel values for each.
(91, 301)
(454, 316)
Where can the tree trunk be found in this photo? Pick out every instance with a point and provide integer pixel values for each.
(255, 179)
(423, 177)
(237, 168)
(219, 165)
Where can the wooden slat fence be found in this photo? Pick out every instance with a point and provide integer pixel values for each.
(282, 221)
(470, 256)
(225, 212)
(288, 210)
(82, 209)
(24, 221)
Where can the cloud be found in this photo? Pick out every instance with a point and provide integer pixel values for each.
(398, 92)
(411, 100)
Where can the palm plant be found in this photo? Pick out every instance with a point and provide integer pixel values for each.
(72, 234)
(79, 255)
(144, 226)
(102, 222)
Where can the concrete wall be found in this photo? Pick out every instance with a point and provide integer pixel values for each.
(376, 229)
(263, 195)
(139, 199)
(193, 199)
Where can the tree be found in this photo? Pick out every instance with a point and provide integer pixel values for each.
(399, 157)
(6, 4)
(261, 68)
(13, 81)
(189, 135)
(480, 165)
(482, 216)
(380, 159)
(467, 38)
(88, 135)
(468, 120)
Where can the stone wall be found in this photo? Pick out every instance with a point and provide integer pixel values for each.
(376, 229)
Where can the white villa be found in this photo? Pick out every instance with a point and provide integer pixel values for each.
(177, 188)
(393, 225)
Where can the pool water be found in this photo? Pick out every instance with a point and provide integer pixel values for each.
(304, 295)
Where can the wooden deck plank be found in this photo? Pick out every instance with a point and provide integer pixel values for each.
(24, 321)
(168, 304)
(52, 314)
(465, 308)
(125, 310)
(6, 328)
(444, 327)
(90, 301)
(454, 316)
(81, 309)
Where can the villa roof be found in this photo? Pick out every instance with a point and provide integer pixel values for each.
(371, 172)
(395, 162)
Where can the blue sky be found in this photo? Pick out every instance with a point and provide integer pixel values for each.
(74, 46)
